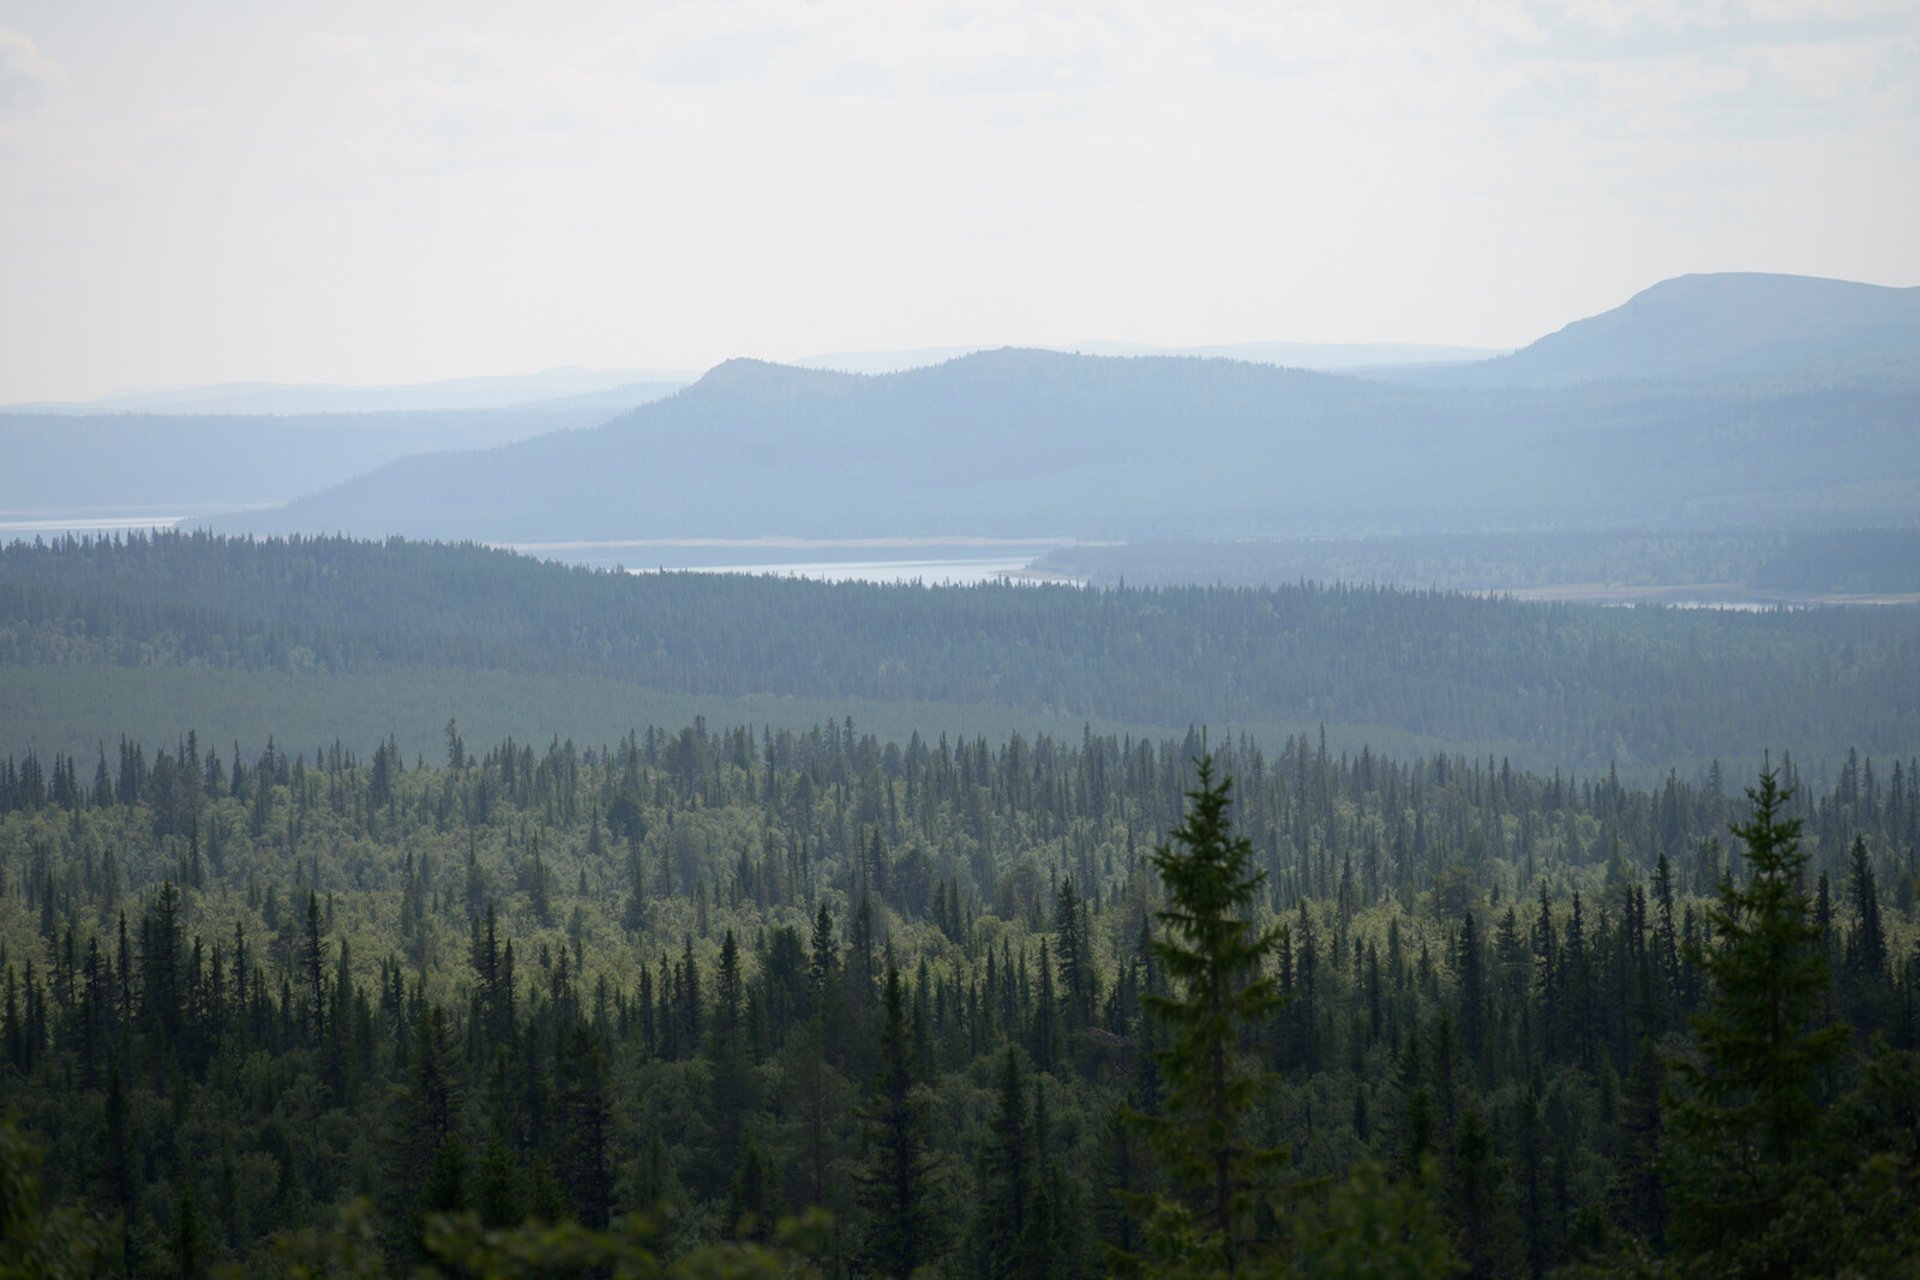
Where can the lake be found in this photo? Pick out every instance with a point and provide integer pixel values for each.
(941, 560)
(955, 560)
(24, 524)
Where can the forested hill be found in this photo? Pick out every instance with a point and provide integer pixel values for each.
(1559, 685)
(1030, 442)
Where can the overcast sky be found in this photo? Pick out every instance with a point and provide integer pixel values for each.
(197, 192)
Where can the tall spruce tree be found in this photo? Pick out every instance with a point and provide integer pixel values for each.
(1747, 1113)
(895, 1182)
(1867, 990)
(1008, 1176)
(1214, 956)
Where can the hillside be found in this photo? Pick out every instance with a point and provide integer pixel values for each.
(1769, 330)
(68, 463)
(1018, 442)
(1323, 356)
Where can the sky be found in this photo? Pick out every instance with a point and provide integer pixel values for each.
(197, 192)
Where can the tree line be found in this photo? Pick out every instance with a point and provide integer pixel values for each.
(1581, 687)
(1805, 562)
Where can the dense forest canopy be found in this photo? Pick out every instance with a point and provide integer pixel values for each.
(1244, 811)
(737, 975)
(1547, 685)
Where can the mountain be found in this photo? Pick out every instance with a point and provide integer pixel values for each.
(1022, 442)
(884, 361)
(1774, 330)
(1292, 355)
(621, 388)
(1323, 356)
(74, 471)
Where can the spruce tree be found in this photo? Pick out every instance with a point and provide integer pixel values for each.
(1009, 1177)
(896, 1178)
(1747, 1113)
(1865, 980)
(1214, 957)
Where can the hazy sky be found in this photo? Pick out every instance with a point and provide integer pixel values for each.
(195, 192)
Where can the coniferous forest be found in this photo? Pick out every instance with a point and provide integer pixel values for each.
(719, 1001)
(952, 641)
(163, 619)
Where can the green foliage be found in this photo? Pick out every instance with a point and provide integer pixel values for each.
(38, 1242)
(1374, 1227)
(459, 1245)
(364, 997)
(1747, 1123)
(1215, 955)
(905, 1233)
(1534, 682)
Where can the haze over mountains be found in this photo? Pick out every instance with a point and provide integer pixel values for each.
(1702, 401)
(1775, 330)
(621, 388)
(63, 468)
(1711, 400)
(1324, 356)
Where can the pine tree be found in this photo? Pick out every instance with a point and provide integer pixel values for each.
(1009, 1175)
(1473, 992)
(1214, 956)
(1076, 964)
(313, 970)
(1747, 1111)
(429, 1172)
(747, 1217)
(1043, 1014)
(584, 1103)
(895, 1181)
(727, 1054)
(1865, 980)
(1640, 1202)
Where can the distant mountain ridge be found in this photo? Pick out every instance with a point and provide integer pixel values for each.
(67, 465)
(1773, 330)
(1024, 443)
(1319, 356)
(565, 387)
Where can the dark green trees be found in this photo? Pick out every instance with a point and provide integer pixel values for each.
(1214, 957)
(1006, 1226)
(583, 1103)
(1748, 1113)
(896, 1180)
(1864, 985)
(37, 1241)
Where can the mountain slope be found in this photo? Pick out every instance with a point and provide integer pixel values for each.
(1322, 356)
(1027, 442)
(61, 465)
(1773, 329)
